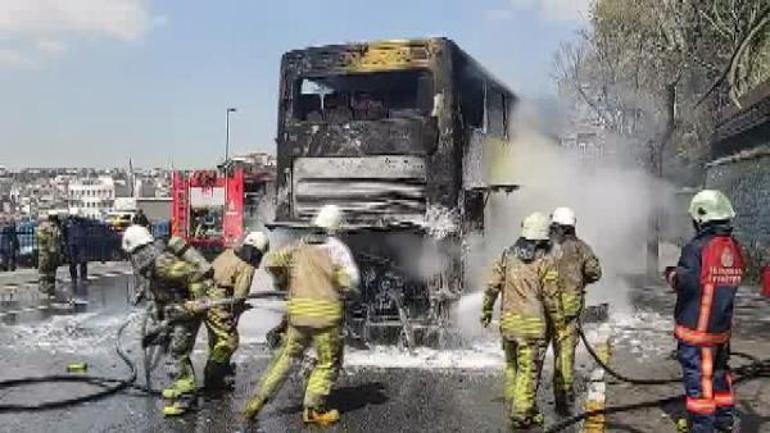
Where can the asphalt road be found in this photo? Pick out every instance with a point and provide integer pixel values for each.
(380, 390)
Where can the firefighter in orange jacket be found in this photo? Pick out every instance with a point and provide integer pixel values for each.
(706, 278)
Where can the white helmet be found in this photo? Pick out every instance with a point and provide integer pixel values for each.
(563, 216)
(329, 218)
(711, 205)
(136, 236)
(257, 240)
(535, 227)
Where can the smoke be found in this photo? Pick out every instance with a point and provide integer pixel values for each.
(611, 196)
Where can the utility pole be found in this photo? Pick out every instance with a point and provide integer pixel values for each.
(227, 138)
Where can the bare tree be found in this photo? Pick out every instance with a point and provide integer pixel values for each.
(657, 73)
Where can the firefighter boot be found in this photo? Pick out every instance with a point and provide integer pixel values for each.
(179, 388)
(532, 423)
(214, 379)
(564, 403)
(252, 409)
(321, 417)
(180, 406)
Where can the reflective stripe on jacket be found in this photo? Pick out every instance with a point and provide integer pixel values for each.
(708, 274)
(317, 276)
(174, 279)
(529, 292)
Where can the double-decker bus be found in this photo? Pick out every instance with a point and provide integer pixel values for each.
(392, 132)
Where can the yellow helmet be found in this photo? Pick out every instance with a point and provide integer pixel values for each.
(711, 205)
(535, 227)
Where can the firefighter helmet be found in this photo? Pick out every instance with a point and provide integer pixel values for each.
(563, 216)
(136, 236)
(535, 227)
(711, 205)
(329, 218)
(257, 240)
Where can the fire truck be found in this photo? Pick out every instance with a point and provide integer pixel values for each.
(212, 209)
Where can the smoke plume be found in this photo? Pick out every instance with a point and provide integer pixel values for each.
(611, 196)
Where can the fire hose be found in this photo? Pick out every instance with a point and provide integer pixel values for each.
(108, 385)
(756, 369)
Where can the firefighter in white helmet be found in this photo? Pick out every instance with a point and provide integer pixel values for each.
(708, 274)
(526, 278)
(177, 275)
(319, 273)
(578, 266)
(233, 271)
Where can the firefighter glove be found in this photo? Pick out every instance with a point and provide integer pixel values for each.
(486, 318)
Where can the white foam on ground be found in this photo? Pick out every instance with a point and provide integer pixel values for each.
(79, 333)
(643, 333)
(480, 357)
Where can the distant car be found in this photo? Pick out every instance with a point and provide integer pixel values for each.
(119, 220)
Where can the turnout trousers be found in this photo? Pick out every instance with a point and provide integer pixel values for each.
(221, 323)
(523, 365)
(46, 269)
(708, 386)
(564, 341)
(328, 346)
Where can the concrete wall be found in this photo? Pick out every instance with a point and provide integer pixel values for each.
(156, 209)
(745, 178)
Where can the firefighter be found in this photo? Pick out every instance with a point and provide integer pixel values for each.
(578, 266)
(48, 237)
(526, 277)
(76, 240)
(705, 279)
(177, 275)
(319, 272)
(141, 219)
(233, 272)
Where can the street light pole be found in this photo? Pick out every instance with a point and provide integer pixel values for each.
(227, 138)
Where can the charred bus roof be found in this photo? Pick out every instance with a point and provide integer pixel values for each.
(382, 56)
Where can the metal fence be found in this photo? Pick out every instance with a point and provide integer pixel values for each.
(18, 245)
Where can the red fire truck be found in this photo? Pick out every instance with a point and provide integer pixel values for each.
(212, 209)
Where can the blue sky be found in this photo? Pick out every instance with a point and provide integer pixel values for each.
(94, 82)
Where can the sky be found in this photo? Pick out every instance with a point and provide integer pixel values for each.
(96, 82)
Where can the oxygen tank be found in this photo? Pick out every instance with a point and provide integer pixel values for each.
(186, 252)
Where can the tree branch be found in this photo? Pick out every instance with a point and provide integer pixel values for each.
(763, 19)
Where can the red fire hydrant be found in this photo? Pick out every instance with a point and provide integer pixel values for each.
(766, 281)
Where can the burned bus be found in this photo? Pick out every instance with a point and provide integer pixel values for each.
(392, 133)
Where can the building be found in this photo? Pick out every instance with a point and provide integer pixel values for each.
(740, 167)
(93, 196)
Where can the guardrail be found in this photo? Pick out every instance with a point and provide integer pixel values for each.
(18, 245)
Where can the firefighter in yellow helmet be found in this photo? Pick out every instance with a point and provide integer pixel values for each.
(233, 272)
(526, 278)
(578, 266)
(319, 273)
